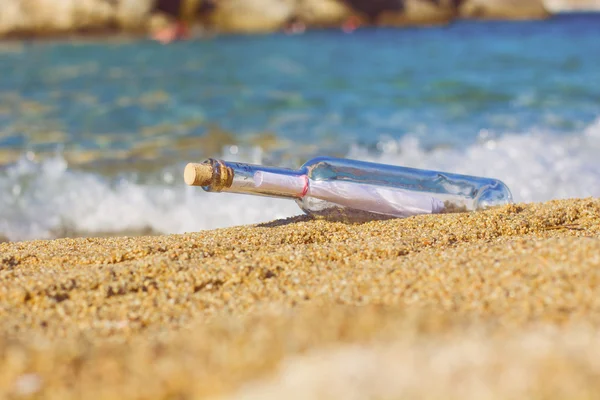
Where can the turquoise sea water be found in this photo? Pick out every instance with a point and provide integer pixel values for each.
(93, 136)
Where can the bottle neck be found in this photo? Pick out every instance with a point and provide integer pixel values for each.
(245, 178)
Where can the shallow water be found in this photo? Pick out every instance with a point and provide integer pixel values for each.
(93, 136)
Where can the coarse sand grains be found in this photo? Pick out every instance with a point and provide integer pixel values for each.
(497, 304)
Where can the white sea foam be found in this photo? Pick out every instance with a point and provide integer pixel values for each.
(536, 166)
(43, 200)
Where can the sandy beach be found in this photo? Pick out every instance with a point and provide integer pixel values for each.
(497, 304)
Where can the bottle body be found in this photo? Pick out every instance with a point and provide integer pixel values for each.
(350, 190)
(436, 191)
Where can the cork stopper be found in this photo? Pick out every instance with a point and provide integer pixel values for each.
(198, 174)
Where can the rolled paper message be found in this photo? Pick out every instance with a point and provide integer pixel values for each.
(377, 199)
(292, 185)
(364, 197)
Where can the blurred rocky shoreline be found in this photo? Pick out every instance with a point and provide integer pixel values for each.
(50, 18)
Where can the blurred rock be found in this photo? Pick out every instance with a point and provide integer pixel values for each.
(257, 16)
(419, 12)
(324, 13)
(48, 17)
(158, 22)
(39, 17)
(132, 14)
(372, 9)
(504, 9)
(557, 6)
(252, 16)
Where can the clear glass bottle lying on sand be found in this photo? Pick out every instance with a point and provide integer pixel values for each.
(349, 190)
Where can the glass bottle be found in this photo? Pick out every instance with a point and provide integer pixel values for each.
(350, 190)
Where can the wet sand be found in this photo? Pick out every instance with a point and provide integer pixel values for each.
(498, 304)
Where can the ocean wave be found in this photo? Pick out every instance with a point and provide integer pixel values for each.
(536, 166)
(47, 199)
